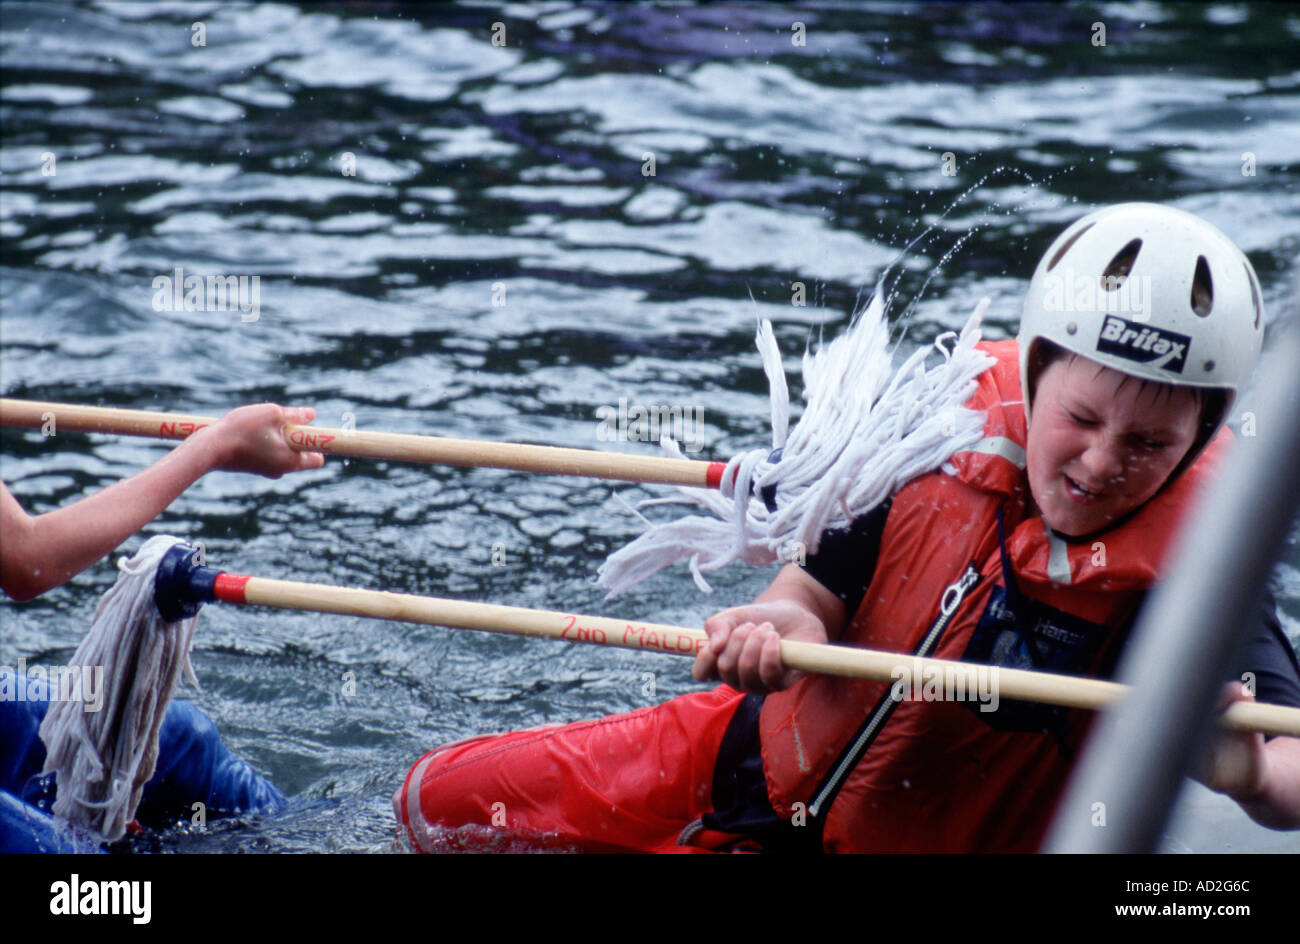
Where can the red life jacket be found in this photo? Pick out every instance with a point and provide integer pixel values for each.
(941, 775)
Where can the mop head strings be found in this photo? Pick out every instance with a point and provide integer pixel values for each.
(866, 431)
(102, 759)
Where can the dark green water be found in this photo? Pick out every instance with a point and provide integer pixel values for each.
(478, 164)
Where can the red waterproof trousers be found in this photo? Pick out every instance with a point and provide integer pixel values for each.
(628, 782)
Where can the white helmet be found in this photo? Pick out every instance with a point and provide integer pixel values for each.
(1153, 292)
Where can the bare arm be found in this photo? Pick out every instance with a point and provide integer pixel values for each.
(44, 551)
(745, 641)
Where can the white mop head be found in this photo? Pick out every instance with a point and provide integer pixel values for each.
(102, 759)
(862, 437)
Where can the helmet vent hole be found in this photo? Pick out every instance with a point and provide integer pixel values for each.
(1120, 266)
(1065, 247)
(1202, 288)
(1254, 295)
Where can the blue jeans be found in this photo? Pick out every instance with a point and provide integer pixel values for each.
(193, 767)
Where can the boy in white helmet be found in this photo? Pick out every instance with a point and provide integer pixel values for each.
(1141, 327)
(1035, 550)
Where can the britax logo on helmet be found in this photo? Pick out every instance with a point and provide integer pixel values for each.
(1142, 343)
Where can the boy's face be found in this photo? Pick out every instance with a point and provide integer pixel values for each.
(1101, 444)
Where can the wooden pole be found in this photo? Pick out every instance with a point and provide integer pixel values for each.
(907, 672)
(361, 444)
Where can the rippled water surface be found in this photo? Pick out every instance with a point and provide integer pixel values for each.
(462, 238)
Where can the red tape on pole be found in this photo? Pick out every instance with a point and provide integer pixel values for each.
(229, 588)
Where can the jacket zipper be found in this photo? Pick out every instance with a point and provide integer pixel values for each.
(948, 604)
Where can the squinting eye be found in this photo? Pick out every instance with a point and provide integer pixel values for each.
(1080, 420)
(1152, 444)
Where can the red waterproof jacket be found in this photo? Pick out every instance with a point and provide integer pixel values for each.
(878, 774)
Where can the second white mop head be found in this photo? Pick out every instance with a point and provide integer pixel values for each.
(102, 759)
